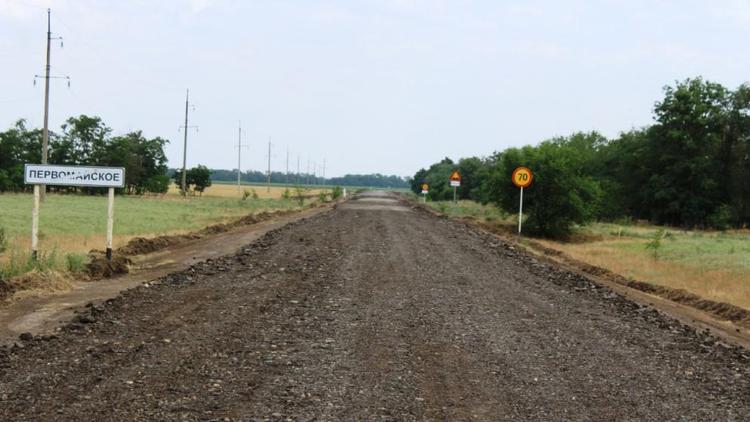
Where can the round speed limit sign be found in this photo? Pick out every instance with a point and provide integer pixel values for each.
(522, 177)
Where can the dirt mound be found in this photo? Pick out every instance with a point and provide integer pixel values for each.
(6, 289)
(35, 282)
(722, 310)
(143, 245)
(100, 267)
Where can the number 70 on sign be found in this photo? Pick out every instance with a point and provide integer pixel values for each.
(522, 178)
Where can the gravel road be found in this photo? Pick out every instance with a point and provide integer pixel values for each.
(373, 311)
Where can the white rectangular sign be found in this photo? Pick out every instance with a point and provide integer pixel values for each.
(50, 174)
(455, 183)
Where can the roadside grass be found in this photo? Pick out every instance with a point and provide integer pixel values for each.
(72, 225)
(714, 265)
(471, 209)
(711, 264)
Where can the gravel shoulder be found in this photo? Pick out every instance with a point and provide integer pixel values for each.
(374, 311)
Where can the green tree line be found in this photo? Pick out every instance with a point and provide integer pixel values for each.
(253, 176)
(85, 140)
(690, 168)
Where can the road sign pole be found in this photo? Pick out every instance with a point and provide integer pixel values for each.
(35, 225)
(110, 221)
(454, 195)
(520, 212)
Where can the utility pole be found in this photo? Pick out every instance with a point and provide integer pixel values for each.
(183, 185)
(297, 170)
(324, 171)
(287, 166)
(307, 176)
(239, 158)
(47, 77)
(268, 189)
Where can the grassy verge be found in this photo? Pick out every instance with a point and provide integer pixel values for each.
(712, 265)
(71, 225)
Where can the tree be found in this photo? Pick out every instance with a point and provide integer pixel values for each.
(685, 187)
(200, 178)
(18, 146)
(197, 179)
(562, 194)
(144, 161)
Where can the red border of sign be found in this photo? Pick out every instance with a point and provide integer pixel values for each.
(531, 179)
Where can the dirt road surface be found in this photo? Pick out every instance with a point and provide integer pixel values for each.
(374, 311)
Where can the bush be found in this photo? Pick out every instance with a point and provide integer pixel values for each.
(323, 196)
(561, 195)
(286, 194)
(654, 244)
(337, 192)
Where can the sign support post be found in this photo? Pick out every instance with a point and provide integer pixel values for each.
(35, 225)
(520, 212)
(522, 178)
(110, 220)
(425, 190)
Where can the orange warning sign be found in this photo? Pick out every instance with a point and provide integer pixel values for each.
(522, 177)
(455, 176)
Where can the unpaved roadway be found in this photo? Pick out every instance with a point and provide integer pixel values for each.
(374, 311)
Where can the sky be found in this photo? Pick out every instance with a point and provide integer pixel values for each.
(384, 86)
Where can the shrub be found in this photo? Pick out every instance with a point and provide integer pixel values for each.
(323, 196)
(286, 194)
(655, 243)
(337, 192)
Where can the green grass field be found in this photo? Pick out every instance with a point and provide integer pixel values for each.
(71, 225)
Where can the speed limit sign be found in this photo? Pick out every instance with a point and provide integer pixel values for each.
(522, 177)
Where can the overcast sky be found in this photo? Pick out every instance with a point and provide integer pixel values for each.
(371, 86)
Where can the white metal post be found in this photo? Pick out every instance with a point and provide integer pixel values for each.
(520, 212)
(35, 224)
(110, 221)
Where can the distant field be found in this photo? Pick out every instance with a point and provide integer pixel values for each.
(278, 188)
(229, 190)
(714, 265)
(73, 224)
